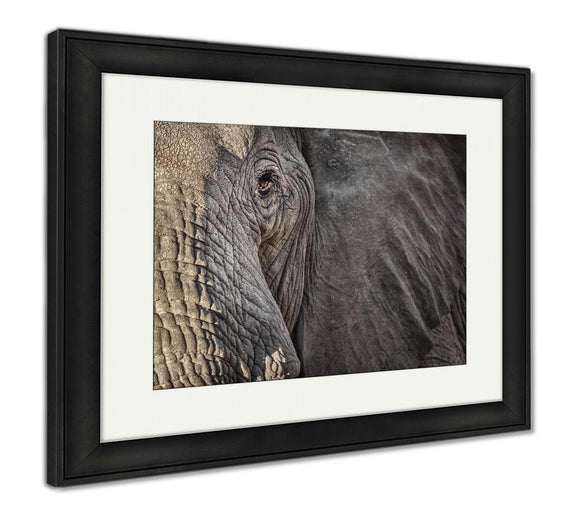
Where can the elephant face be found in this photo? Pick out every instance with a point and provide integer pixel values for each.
(282, 252)
(234, 213)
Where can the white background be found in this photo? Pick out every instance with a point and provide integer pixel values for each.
(524, 470)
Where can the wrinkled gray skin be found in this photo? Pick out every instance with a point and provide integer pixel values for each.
(282, 252)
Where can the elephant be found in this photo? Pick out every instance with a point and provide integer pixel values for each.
(286, 252)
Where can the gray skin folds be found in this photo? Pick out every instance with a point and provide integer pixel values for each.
(386, 285)
(283, 252)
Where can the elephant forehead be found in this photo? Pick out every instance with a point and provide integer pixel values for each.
(188, 152)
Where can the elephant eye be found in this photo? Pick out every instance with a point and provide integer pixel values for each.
(265, 182)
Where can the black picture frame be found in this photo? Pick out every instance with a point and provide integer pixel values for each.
(75, 63)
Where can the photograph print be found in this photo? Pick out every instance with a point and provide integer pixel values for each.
(286, 253)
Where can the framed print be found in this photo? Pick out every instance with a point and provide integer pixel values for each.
(259, 253)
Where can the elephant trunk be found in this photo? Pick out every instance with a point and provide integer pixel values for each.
(215, 320)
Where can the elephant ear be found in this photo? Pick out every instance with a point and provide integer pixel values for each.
(386, 276)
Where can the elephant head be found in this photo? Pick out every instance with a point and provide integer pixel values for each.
(282, 252)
